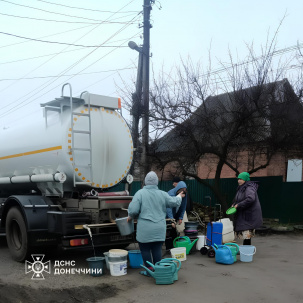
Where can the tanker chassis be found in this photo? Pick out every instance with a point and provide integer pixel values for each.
(55, 173)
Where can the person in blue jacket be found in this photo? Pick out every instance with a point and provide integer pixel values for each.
(149, 206)
(176, 214)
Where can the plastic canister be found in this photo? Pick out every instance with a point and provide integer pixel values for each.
(214, 233)
(200, 242)
(227, 231)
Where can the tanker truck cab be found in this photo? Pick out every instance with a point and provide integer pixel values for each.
(56, 173)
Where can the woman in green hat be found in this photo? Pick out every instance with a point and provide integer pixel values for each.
(249, 214)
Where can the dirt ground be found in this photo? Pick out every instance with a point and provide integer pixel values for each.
(275, 275)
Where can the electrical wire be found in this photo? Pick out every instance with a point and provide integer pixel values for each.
(62, 52)
(61, 21)
(78, 74)
(39, 9)
(54, 42)
(87, 9)
(22, 104)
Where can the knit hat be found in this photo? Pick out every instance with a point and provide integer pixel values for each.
(151, 178)
(244, 176)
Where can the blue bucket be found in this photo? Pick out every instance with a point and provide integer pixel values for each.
(96, 266)
(135, 258)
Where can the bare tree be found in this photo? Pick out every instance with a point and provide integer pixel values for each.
(256, 110)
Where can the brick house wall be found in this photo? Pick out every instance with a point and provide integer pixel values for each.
(206, 167)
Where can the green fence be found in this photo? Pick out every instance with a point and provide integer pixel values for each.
(279, 200)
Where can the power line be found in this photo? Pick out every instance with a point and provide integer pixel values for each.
(62, 52)
(86, 9)
(39, 9)
(22, 103)
(61, 21)
(54, 42)
(43, 77)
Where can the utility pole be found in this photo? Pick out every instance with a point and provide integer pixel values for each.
(140, 98)
(145, 81)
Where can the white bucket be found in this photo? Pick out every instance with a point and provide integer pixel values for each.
(179, 253)
(247, 252)
(200, 242)
(118, 268)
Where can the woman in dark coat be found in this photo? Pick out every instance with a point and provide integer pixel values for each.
(249, 214)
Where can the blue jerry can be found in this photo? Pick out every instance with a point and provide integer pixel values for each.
(214, 233)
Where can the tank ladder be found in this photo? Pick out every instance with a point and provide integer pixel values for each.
(85, 132)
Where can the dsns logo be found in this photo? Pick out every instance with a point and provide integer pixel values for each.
(37, 267)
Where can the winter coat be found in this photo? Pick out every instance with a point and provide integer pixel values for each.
(177, 212)
(249, 213)
(149, 207)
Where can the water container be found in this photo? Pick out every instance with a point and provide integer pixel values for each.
(247, 252)
(106, 259)
(228, 230)
(125, 228)
(135, 258)
(214, 233)
(200, 242)
(96, 266)
(179, 253)
(118, 268)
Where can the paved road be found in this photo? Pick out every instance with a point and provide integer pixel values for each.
(275, 275)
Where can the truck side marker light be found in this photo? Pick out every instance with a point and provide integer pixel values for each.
(76, 169)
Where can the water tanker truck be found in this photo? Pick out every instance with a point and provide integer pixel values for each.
(55, 172)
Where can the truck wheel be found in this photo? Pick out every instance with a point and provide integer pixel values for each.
(16, 234)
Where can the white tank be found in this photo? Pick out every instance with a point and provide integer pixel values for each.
(96, 150)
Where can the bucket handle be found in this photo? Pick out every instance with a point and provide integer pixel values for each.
(249, 254)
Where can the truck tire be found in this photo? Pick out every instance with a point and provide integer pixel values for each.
(16, 234)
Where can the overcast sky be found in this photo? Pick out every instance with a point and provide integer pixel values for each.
(85, 42)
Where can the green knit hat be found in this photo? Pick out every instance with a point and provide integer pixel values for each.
(244, 176)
